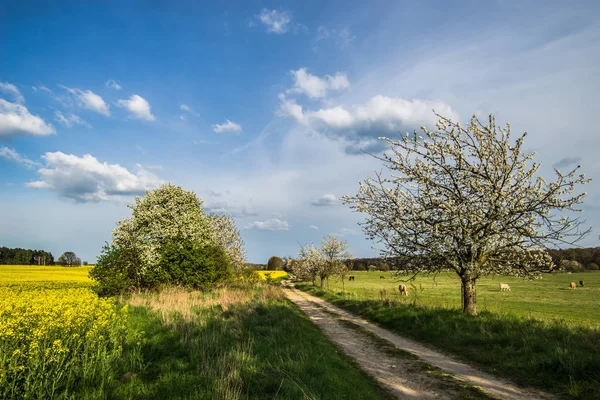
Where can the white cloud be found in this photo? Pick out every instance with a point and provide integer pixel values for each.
(42, 88)
(188, 109)
(315, 87)
(112, 84)
(347, 232)
(85, 179)
(89, 100)
(13, 156)
(12, 89)
(138, 107)
(325, 200)
(380, 115)
(276, 21)
(273, 224)
(15, 120)
(69, 120)
(340, 37)
(227, 126)
(199, 142)
(314, 227)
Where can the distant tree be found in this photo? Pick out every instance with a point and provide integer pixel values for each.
(68, 258)
(593, 267)
(85, 263)
(275, 263)
(309, 262)
(466, 198)
(335, 253)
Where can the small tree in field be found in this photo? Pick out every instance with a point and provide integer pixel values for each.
(227, 235)
(308, 264)
(468, 199)
(335, 253)
(69, 258)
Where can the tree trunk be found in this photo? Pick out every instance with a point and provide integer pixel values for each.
(469, 296)
(322, 282)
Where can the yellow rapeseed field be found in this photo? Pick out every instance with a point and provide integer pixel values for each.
(53, 334)
(272, 274)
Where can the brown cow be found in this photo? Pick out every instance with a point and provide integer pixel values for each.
(402, 289)
(573, 285)
(381, 277)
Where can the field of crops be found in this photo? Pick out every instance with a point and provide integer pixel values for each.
(56, 335)
(274, 275)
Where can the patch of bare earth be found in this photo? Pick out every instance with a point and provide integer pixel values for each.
(406, 368)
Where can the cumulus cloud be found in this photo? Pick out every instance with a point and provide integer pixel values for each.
(138, 107)
(380, 115)
(314, 227)
(12, 156)
(85, 179)
(112, 84)
(273, 224)
(88, 100)
(567, 161)
(276, 21)
(15, 120)
(226, 127)
(13, 91)
(315, 87)
(325, 200)
(69, 120)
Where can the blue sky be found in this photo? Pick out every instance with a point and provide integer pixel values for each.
(262, 107)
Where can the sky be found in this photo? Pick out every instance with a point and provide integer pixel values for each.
(267, 109)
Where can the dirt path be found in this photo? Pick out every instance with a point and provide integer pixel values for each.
(405, 377)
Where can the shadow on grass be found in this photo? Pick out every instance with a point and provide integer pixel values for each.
(258, 350)
(547, 354)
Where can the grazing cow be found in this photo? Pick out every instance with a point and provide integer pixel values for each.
(573, 285)
(381, 277)
(402, 289)
(504, 287)
(351, 278)
(581, 283)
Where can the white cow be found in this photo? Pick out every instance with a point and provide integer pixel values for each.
(504, 287)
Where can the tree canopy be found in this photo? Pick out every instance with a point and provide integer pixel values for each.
(468, 198)
(169, 240)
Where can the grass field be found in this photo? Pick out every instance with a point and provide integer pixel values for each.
(549, 298)
(59, 340)
(540, 333)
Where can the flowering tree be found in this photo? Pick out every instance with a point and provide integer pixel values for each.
(168, 240)
(467, 198)
(228, 237)
(335, 252)
(308, 264)
(322, 262)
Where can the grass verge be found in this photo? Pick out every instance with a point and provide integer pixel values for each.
(244, 342)
(546, 354)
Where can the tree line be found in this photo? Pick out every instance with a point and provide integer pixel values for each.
(18, 256)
